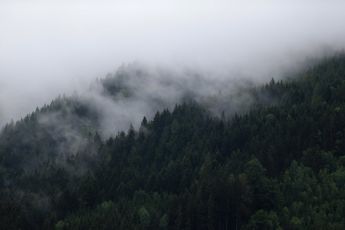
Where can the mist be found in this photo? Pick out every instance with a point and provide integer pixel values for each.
(49, 48)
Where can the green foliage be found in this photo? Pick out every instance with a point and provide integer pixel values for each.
(280, 165)
(264, 220)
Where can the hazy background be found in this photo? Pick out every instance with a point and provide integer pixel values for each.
(49, 48)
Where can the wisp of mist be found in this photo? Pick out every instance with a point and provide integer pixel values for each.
(49, 48)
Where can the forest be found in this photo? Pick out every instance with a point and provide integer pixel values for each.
(280, 164)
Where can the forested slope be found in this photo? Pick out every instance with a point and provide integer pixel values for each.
(280, 165)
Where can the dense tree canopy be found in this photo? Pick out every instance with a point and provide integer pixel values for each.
(280, 165)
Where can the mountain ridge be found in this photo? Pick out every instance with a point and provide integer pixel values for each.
(278, 164)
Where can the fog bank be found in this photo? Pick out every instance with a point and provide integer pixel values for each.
(49, 48)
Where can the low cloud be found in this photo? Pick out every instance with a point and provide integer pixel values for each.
(49, 48)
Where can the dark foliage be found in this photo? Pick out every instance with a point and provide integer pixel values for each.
(280, 165)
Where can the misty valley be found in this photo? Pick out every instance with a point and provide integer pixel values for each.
(153, 150)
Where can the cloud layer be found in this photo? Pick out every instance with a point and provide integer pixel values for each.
(53, 47)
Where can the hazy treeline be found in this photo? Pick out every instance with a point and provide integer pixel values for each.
(278, 163)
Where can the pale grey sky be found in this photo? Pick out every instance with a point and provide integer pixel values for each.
(53, 47)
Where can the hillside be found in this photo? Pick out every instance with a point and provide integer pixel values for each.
(278, 164)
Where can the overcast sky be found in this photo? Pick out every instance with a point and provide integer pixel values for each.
(54, 47)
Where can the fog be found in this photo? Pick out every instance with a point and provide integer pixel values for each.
(49, 48)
